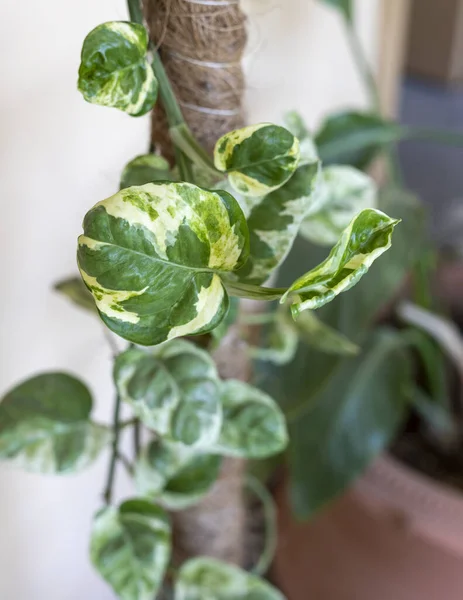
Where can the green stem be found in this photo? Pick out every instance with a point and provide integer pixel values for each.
(135, 11)
(107, 494)
(362, 64)
(266, 558)
(254, 292)
(136, 438)
(440, 136)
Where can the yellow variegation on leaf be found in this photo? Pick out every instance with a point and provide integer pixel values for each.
(114, 70)
(152, 257)
(367, 237)
(258, 159)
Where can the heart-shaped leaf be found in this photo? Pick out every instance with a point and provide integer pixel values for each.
(173, 475)
(258, 158)
(174, 390)
(207, 578)
(114, 70)
(365, 239)
(45, 426)
(274, 223)
(146, 168)
(152, 256)
(130, 547)
(253, 424)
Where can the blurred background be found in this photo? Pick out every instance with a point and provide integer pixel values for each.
(60, 155)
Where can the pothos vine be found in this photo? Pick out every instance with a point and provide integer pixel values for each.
(164, 258)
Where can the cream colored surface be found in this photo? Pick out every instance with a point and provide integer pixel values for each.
(59, 156)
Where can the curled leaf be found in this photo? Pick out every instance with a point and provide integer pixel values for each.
(174, 475)
(258, 158)
(253, 424)
(114, 70)
(152, 257)
(174, 390)
(130, 547)
(367, 237)
(341, 194)
(204, 577)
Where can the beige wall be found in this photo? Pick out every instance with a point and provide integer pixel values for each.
(59, 155)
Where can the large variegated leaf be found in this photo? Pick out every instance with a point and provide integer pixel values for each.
(174, 390)
(45, 425)
(173, 475)
(130, 547)
(367, 237)
(152, 257)
(342, 193)
(114, 70)
(274, 223)
(146, 168)
(253, 424)
(205, 578)
(258, 158)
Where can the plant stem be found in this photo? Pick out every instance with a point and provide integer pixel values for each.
(107, 494)
(440, 136)
(254, 292)
(135, 11)
(136, 438)
(362, 65)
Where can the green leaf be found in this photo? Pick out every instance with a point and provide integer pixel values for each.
(174, 390)
(355, 138)
(367, 237)
(321, 336)
(258, 158)
(349, 423)
(344, 6)
(130, 547)
(75, 289)
(114, 70)
(45, 426)
(152, 256)
(174, 475)
(274, 223)
(147, 168)
(307, 149)
(205, 578)
(253, 425)
(341, 194)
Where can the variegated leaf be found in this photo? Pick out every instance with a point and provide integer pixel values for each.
(174, 390)
(274, 223)
(206, 578)
(130, 547)
(152, 256)
(253, 424)
(321, 336)
(307, 149)
(45, 426)
(341, 194)
(146, 168)
(258, 158)
(367, 237)
(279, 341)
(174, 475)
(114, 70)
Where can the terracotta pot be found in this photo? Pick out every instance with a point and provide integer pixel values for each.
(397, 535)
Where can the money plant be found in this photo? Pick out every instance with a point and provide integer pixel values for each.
(164, 263)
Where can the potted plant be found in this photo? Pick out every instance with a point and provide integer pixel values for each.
(163, 263)
(378, 526)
